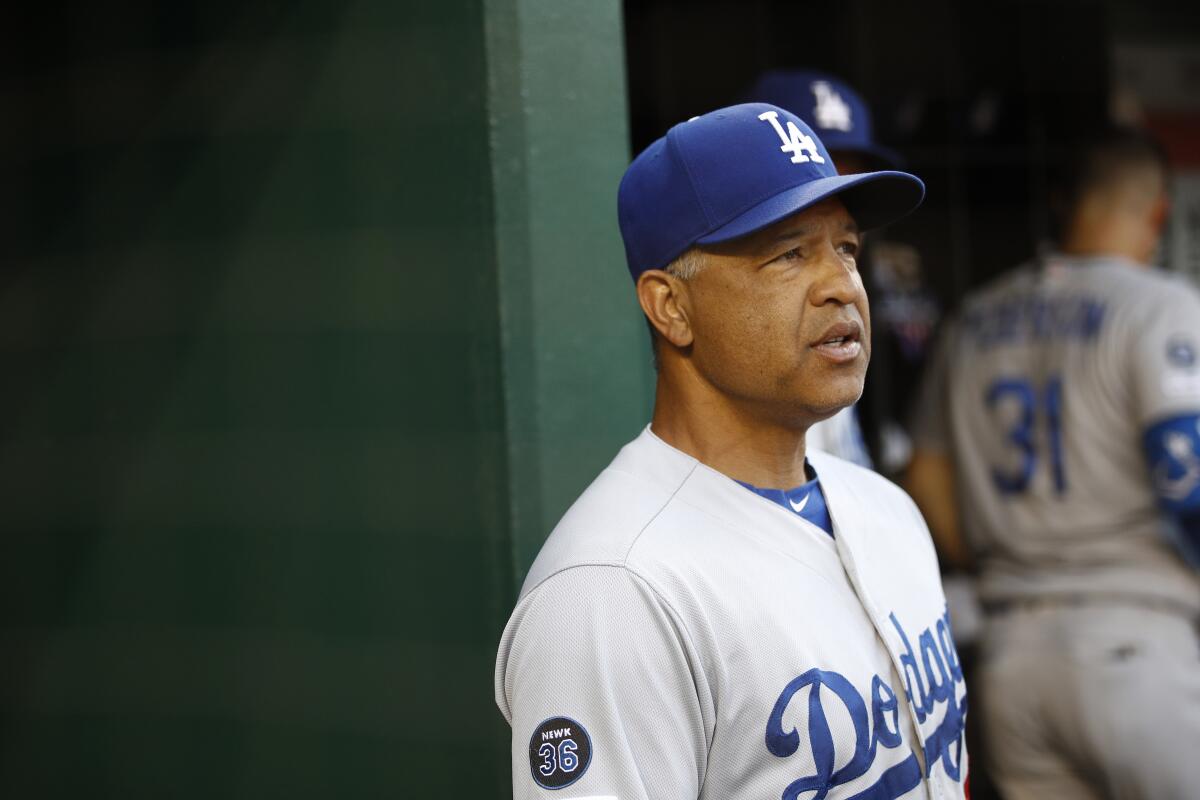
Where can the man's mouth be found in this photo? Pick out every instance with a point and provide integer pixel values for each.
(840, 342)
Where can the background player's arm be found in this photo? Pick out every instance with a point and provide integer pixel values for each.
(930, 480)
(1173, 455)
(597, 645)
(1165, 361)
(930, 476)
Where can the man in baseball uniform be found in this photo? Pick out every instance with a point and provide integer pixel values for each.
(1064, 402)
(718, 616)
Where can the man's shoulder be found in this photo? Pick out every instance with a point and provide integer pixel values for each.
(1100, 273)
(1126, 296)
(1120, 274)
(1141, 298)
(602, 526)
(1157, 290)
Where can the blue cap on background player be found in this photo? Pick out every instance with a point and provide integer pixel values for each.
(831, 108)
(737, 170)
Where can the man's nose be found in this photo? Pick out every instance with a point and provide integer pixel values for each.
(838, 281)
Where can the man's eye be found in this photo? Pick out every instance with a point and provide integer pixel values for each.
(791, 255)
(848, 248)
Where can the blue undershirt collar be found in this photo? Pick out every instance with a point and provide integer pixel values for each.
(806, 500)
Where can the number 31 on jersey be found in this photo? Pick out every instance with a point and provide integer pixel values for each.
(1037, 407)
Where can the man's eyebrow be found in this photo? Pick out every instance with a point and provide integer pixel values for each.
(805, 230)
(794, 233)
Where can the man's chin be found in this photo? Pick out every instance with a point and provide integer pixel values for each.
(803, 415)
(819, 409)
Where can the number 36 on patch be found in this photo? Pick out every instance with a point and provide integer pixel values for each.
(559, 752)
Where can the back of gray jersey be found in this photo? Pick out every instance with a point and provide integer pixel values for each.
(1042, 389)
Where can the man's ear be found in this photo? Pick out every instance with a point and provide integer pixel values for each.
(664, 298)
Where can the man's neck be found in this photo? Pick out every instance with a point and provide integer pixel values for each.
(1112, 235)
(715, 432)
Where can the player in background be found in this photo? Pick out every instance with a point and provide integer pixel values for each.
(724, 614)
(904, 311)
(1058, 446)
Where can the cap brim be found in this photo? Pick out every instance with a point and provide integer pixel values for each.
(874, 199)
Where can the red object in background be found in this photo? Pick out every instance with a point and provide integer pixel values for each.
(1179, 134)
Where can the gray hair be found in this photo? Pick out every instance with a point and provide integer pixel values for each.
(686, 266)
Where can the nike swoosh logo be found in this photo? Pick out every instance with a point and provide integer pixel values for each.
(798, 507)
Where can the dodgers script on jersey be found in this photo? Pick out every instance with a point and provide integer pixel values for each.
(681, 637)
(1058, 369)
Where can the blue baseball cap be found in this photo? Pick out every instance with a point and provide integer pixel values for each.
(830, 107)
(737, 170)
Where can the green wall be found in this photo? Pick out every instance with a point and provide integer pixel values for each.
(577, 359)
(312, 321)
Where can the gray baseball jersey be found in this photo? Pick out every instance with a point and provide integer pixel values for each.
(1042, 389)
(680, 637)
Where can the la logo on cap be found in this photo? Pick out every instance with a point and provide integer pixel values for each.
(831, 111)
(795, 141)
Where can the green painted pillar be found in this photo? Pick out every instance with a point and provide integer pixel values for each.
(576, 356)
